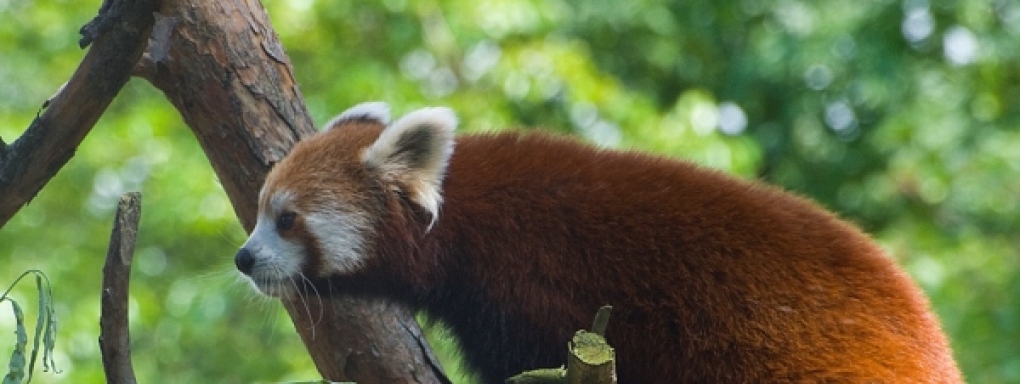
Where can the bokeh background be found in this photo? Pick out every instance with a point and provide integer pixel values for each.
(901, 115)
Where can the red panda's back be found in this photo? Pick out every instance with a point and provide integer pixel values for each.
(712, 279)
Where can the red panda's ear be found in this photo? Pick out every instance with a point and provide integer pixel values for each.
(369, 112)
(413, 153)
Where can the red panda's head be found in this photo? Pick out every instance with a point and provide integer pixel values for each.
(321, 205)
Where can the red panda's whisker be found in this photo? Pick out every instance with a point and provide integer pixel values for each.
(302, 296)
(318, 297)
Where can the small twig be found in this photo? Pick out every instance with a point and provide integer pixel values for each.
(602, 320)
(540, 376)
(49, 101)
(114, 334)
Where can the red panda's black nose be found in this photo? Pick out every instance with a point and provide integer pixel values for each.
(244, 261)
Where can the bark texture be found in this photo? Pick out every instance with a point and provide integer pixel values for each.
(221, 65)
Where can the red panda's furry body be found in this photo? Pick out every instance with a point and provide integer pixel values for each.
(711, 278)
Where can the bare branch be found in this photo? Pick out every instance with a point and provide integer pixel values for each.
(114, 334)
(50, 141)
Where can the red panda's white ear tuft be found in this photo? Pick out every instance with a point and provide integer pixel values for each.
(373, 111)
(413, 153)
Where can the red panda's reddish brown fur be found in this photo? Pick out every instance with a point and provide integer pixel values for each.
(712, 279)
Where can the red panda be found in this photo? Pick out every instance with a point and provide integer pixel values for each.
(514, 240)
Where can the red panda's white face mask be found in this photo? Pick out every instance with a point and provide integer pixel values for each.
(316, 218)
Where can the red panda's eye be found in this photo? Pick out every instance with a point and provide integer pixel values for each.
(285, 221)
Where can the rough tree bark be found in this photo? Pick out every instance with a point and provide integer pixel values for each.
(222, 67)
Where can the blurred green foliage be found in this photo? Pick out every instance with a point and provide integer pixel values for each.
(903, 116)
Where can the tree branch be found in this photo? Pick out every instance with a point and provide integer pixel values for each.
(114, 334)
(50, 141)
(221, 64)
(371, 342)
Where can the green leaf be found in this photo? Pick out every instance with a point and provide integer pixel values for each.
(39, 323)
(16, 368)
(45, 327)
(50, 336)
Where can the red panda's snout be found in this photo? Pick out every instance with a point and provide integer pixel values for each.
(271, 260)
(315, 206)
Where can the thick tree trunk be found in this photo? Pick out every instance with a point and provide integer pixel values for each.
(221, 65)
